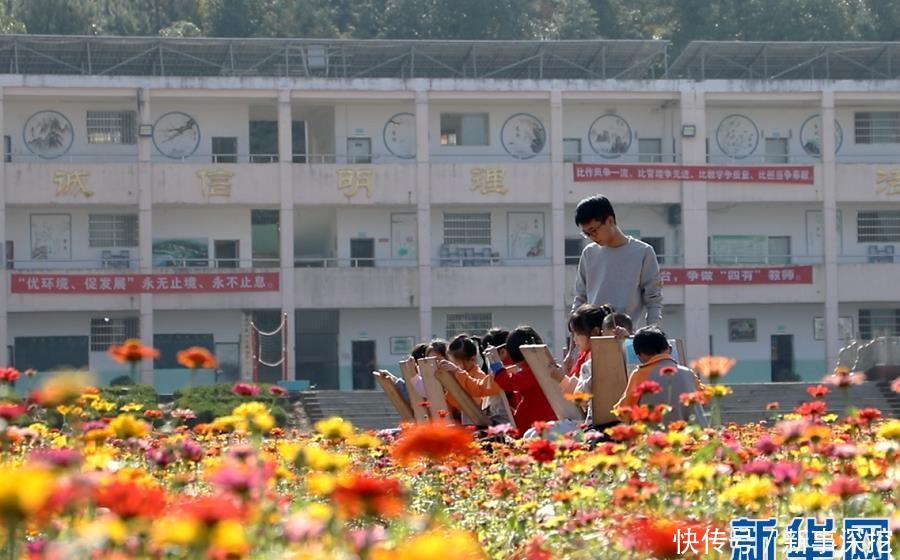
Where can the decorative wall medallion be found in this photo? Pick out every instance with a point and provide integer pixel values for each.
(737, 136)
(176, 135)
(48, 134)
(811, 135)
(400, 135)
(523, 136)
(610, 136)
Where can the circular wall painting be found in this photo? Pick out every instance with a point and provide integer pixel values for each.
(176, 135)
(811, 136)
(400, 135)
(523, 136)
(737, 136)
(610, 136)
(48, 134)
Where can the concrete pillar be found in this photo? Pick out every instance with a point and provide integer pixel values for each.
(286, 227)
(830, 230)
(557, 221)
(4, 286)
(423, 215)
(145, 227)
(694, 225)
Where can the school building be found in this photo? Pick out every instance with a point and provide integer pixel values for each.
(310, 208)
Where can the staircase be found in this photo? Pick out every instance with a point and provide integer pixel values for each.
(369, 410)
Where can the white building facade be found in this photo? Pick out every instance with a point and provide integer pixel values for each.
(379, 193)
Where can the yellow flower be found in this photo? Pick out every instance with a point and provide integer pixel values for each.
(229, 539)
(132, 407)
(889, 430)
(253, 417)
(718, 390)
(750, 492)
(366, 441)
(335, 428)
(288, 450)
(677, 439)
(23, 490)
(321, 484)
(449, 544)
(867, 468)
(127, 426)
(319, 511)
(101, 405)
(109, 528)
(176, 531)
(803, 502)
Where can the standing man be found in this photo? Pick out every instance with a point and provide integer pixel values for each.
(616, 269)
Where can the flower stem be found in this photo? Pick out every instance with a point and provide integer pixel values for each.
(11, 545)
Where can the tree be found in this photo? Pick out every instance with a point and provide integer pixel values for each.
(564, 19)
(181, 29)
(235, 18)
(56, 17)
(300, 18)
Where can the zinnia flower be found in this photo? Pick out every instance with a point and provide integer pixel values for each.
(647, 387)
(843, 377)
(818, 391)
(197, 357)
(542, 451)
(127, 426)
(129, 499)
(433, 441)
(360, 495)
(713, 367)
(23, 491)
(245, 389)
(132, 351)
(334, 428)
(9, 375)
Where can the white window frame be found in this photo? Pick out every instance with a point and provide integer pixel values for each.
(878, 226)
(876, 127)
(106, 331)
(884, 322)
(455, 138)
(467, 228)
(472, 322)
(110, 230)
(112, 127)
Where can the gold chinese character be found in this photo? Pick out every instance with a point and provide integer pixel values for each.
(215, 182)
(488, 180)
(888, 182)
(351, 181)
(72, 183)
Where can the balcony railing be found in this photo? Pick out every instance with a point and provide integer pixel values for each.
(328, 262)
(121, 263)
(763, 260)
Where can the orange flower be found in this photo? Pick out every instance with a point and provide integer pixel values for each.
(197, 357)
(129, 499)
(658, 537)
(434, 441)
(361, 495)
(132, 352)
(713, 367)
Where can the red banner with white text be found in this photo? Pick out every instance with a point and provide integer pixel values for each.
(780, 174)
(166, 283)
(736, 276)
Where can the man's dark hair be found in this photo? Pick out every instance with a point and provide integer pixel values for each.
(519, 336)
(596, 207)
(419, 351)
(650, 341)
(614, 320)
(588, 317)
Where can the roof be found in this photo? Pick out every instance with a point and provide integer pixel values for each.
(332, 58)
(739, 60)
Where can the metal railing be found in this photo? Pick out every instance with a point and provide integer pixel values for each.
(763, 260)
(132, 265)
(330, 262)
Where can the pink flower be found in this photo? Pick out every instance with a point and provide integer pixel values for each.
(278, 390)
(843, 377)
(786, 472)
(647, 387)
(895, 385)
(245, 389)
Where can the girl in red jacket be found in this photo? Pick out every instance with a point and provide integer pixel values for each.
(532, 405)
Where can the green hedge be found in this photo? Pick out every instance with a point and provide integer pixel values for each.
(211, 401)
(124, 394)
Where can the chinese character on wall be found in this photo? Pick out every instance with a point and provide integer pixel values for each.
(215, 182)
(487, 180)
(888, 182)
(351, 181)
(72, 183)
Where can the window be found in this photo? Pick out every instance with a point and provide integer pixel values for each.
(878, 322)
(112, 127)
(467, 229)
(574, 246)
(877, 127)
(112, 230)
(571, 150)
(659, 247)
(106, 331)
(727, 250)
(776, 150)
(464, 129)
(779, 249)
(650, 150)
(472, 323)
(224, 149)
(878, 226)
(7, 148)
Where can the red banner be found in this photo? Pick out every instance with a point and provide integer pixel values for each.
(781, 174)
(744, 275)
(178, 283)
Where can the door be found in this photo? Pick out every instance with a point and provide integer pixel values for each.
(264, 238)
(298, 141)
(362, 252)
(316, 340)
(363, 356)
(779, 249)
(225, 251)
(650, 150)
(359, 150)
(776, 150)
(224, 149)
(263, 141)
(815, 236)
(571, 149)
(783, 357)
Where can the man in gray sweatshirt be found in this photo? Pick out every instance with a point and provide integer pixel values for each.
(615, 269)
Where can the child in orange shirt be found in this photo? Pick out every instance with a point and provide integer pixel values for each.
(463, 351)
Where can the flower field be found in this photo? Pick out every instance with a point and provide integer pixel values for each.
(83, 476)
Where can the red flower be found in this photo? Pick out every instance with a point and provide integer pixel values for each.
(245, 389)
(845, 486)
(818, 391)
(10, 411)
(623, 432)
(814, 408)
(433, 441)
(153, 414)
(647, 387)
(197, 357)
(209, 510)
(128, 499)
(542, 451)
(503, 488)
(278, 390)
(869, 414)
(363, 495)
(9, 375)
(657, 538)
(774, 405)
(132, 352)
(687, 399)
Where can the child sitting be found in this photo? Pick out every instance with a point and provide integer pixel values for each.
(653, 351)
(532, 405)
(463, 351)
(614, 324)
(585, 322)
